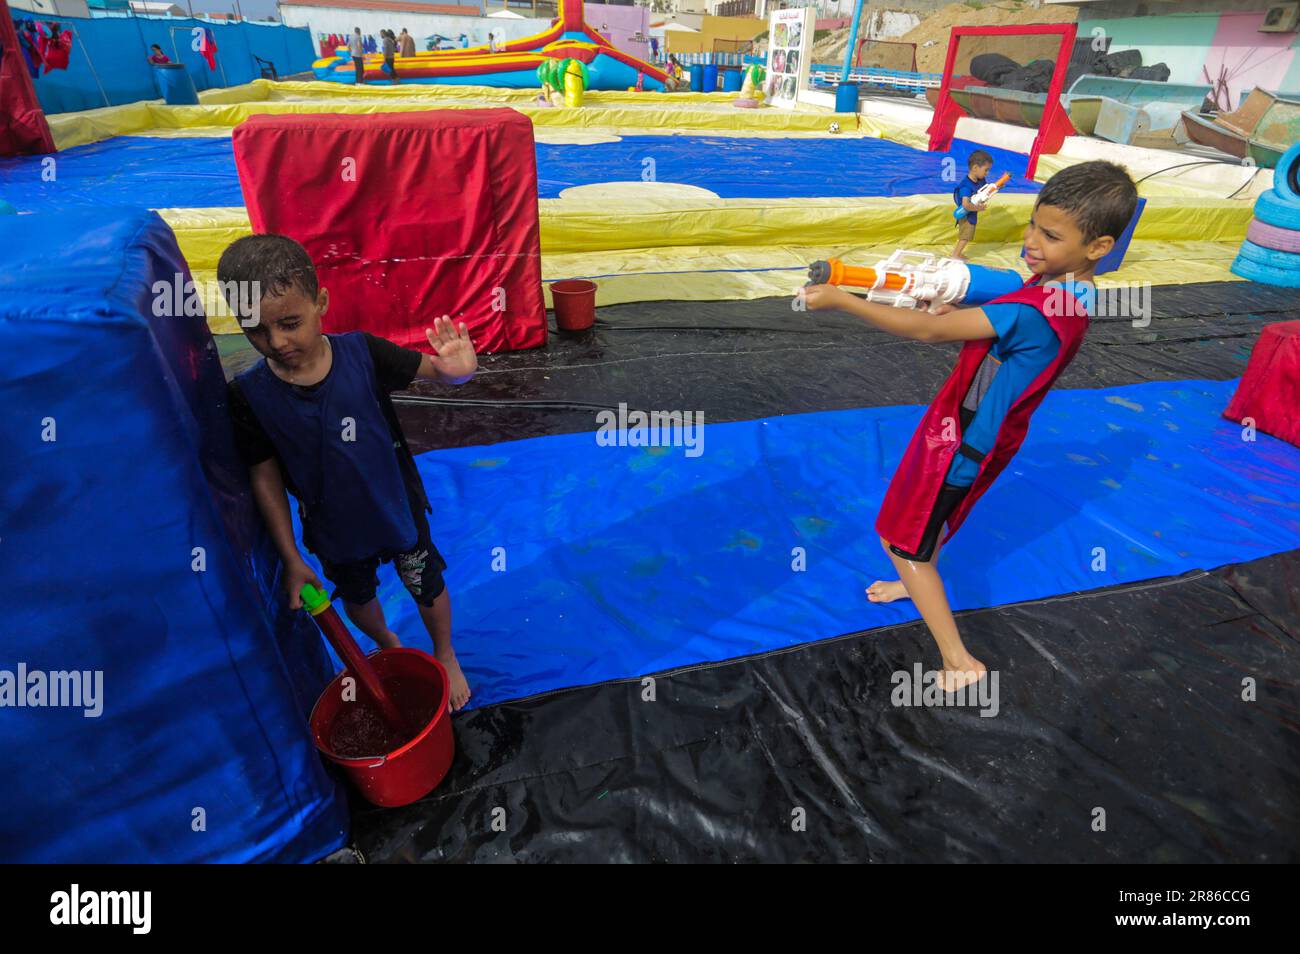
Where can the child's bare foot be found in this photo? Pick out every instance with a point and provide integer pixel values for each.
(968, 673)
(389, 641)
(886, 591)
(458, 684)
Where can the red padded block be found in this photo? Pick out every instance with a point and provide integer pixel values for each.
(408, 216)
(1269, 391)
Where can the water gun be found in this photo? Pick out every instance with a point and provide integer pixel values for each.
(332, 627)
(986, 192)
(918, 280)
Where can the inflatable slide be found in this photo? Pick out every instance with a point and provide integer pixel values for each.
(514, 64)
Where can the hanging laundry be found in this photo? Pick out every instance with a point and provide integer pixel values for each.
(208, 48)
(29, 42)
(55, 45)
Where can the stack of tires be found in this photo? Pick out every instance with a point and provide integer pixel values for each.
(1271, 252)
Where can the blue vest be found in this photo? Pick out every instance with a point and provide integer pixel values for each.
(353, 501)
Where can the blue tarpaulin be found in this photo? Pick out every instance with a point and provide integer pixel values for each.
(622, 561)
(109, 62)
(129, 549)
(156, 173)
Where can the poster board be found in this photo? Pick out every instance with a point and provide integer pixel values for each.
(789, 50)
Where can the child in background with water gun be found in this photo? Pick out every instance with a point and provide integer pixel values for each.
(979, 164)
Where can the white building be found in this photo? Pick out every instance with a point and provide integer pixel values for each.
(152, 8)
(421, 20)
(52, 8)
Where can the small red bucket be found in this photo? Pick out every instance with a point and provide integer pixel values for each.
(575, 304)
(413, 679)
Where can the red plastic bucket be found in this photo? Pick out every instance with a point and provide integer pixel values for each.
(575, 303)
(411, 771)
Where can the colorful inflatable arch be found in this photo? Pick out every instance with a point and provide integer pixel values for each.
(514, 64)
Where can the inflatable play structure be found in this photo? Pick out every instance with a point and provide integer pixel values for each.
(514, 64)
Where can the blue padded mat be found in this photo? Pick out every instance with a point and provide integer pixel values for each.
(626, 561)
(150, 173)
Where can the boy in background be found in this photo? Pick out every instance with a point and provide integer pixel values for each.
(978, 165)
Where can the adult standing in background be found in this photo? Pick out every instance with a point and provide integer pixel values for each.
(406, 43)
(358, 51)
(390, 54)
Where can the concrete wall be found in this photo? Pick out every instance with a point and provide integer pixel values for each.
(619, 24)
(1192, 44)
(713, 28)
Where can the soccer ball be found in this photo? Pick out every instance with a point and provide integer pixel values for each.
(835, 127)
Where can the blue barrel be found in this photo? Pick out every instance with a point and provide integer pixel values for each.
(710, 78)
(846, 98)
(732, 81)
(175, 84)
(697, 78)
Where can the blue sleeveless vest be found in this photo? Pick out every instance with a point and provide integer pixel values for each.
(340, 454)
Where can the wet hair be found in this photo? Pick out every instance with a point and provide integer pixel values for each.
(276, 262)
(155, 46)
(1098, 195)
(979, 158)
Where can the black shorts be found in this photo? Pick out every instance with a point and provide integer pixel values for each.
(950, 495)
(420, 569)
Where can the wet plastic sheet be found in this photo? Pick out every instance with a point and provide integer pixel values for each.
(1127, 699)
(154, 173)
(629, 560)
(130, 548)
(129, 171)
(771, 168)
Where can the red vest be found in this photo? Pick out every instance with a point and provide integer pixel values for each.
(912, 493)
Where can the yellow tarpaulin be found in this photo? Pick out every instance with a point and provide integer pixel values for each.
(669, 246)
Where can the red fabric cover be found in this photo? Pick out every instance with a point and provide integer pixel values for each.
(1269, 392)
(23, 128)
(912, 493)
(442, 213)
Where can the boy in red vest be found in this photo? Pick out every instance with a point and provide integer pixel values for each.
(1015, 347)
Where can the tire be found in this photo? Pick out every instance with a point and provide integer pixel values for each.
(1270, 236)
(1286, 176)
(1270, 258)
(1279, 213)
(1262, 273)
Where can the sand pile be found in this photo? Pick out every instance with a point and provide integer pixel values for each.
(937, 26)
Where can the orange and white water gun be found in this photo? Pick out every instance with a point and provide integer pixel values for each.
(918, 280)
(986, 192)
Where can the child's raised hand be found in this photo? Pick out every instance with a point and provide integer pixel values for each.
(453, 352)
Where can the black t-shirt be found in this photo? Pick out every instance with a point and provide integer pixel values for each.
(395, 369)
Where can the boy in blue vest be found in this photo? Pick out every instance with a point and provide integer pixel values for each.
(1014, 348)
(979, 164)
(314, 417)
